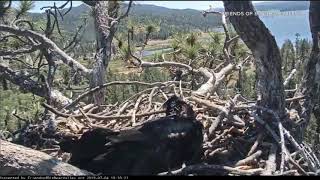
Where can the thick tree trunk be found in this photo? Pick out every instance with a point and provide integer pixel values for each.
(260, 41)
(311, 78)
(316, 112)
(103, 11)
(315, 29)
(19, 160)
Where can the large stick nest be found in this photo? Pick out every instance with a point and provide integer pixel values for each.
(236, 140)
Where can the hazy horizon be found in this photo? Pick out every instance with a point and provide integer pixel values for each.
(197, 5)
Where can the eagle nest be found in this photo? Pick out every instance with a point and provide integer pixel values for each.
(236, 141)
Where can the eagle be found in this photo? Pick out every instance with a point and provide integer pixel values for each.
(158, 145)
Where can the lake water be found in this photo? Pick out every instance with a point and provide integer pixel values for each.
(284, 25)
(152, 52)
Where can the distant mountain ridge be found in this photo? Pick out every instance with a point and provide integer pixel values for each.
(279, 5)
(172, 20)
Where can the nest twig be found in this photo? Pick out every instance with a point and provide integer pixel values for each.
(236, 140)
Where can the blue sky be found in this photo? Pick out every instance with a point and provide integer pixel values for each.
(199, 5)
(39, 4)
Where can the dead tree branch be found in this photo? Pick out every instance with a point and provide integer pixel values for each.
(26, 83)
(214, 169)
(19, 160)
(85, 94)
(46, 43)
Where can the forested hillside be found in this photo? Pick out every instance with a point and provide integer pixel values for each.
(170, 21)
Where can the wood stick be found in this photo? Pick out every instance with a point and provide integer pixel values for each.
(283, 148)
(214, 168)
(298, 147)
(121, 110)
(271, 162)
(55, 111)
(99, 117)
(249, 159)
(83, 95)
(296, 165)
(288, 173)
(255, 144)
(211, 154)
(150, 98)
(135, 109)
(208, 104)
(88, 120)
(294, 99)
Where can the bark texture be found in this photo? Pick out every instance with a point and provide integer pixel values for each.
(310, 84)
(260, 41)
(104, 12)
(19, 160)
(315, 29)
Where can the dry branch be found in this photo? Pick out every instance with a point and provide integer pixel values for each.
(55, 111)
(214, 169)
(19, 160)
(249, 159)
(135, 109)
(283, 148)
(235, 124)
(46, 43)
(255, 145)
(271, 165)
(208, 104)
(87, 93)
(26, 83)
(296, 165)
